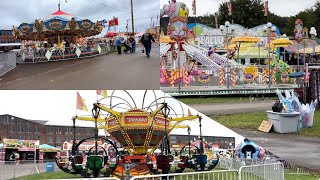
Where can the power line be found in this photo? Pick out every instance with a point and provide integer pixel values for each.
(108, 6)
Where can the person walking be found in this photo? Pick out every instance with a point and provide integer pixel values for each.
(119, 44)
(146, 40)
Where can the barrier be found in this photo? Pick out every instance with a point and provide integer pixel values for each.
(46, 55)
(265, 171)
(7, 62)
(207, 175)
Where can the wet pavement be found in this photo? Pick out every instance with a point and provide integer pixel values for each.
(295, 149)
(113, 71)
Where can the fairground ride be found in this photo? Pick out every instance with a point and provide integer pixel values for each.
(140, 131)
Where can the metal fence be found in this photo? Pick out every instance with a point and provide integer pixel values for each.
(7, 62)
(46, 55)
(261, 172)
(207, 175)
(12, 169)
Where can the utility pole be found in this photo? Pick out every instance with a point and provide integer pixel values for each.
(132, 17)
(127, 27)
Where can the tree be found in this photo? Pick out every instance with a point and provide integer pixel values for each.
(248, 13)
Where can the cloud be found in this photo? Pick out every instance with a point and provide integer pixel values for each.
(17, 12)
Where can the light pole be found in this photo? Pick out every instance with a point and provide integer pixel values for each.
(226, 27)
(189, 131)
(284, 51)
(132, 20)
(313, 33)
(269, 29)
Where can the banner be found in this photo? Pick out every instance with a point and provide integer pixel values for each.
(23, 145)
(114, 22)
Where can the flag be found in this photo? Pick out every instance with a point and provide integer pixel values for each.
(102, 93)
(230, 8)
(194, 7)
(266, 8)
(80, 103)
(189, 112)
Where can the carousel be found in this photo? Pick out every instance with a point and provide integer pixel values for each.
(138, 131)
(59, 36)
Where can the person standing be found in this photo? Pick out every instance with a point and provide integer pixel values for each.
(146, 40)
(119, 44)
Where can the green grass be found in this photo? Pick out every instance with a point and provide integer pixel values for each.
(49, 175)
(224, 99)
(62, 175)
(299, 177)
(252, 121)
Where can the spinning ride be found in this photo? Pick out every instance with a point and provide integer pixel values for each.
(57, 27)
(138, 130)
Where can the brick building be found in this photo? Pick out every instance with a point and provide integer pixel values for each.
(12, 127)
(6, 37)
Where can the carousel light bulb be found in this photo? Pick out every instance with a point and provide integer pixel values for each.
(227, 24)
(222, 27)
(269, 24)
(265, 28)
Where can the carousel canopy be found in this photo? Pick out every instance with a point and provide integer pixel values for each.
(59, 24)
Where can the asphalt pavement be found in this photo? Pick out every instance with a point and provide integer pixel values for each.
(295, 149)
(113, 71)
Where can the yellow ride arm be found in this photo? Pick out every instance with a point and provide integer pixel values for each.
(82, 118)
(115, 113)
(187, 118)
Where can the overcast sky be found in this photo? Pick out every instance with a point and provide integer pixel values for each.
(17, 12)
(279, 7)
(59, 107)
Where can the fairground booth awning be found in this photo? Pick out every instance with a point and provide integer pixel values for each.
(47, 148)
(294, 47)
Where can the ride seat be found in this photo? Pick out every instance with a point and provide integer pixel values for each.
(95, 162)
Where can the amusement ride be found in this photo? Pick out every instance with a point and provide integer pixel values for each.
(139, 131)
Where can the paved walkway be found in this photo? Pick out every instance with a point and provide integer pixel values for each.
(295, 149)
(126, 71)
(228, 108)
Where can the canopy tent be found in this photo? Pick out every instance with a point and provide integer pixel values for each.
(310, 50)
(281, 42)
(253, 52)
(293, 48)
(246, 39)
(110, 34)
(47, 148)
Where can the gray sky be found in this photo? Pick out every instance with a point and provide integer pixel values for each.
(282, 8)
(19, 11)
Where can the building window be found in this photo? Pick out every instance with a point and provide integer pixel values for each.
(11, 136)
(49, 130)
(28, 129)
(37, 137)
(78, 131)
(20, 136)
(29, 137)
(11, 128)
(58, 139)
(58, 130)
(50, 139)
(68, 139)
(68, 131)
(36, 130)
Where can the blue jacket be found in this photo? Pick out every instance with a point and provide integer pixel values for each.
(118, 42)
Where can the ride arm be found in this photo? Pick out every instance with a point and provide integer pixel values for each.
(155, 112)
(82, 118)
(187, 118)
(115, 113)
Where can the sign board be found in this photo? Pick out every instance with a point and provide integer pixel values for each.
(265, 126)
(20, 144)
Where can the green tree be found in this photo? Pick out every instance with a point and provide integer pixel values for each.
(248, 13)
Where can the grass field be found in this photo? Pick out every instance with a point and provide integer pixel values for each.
(253, 120)
(222, 99)
(229, 175)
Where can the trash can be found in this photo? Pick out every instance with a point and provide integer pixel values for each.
(284, 122)
(50, 167)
